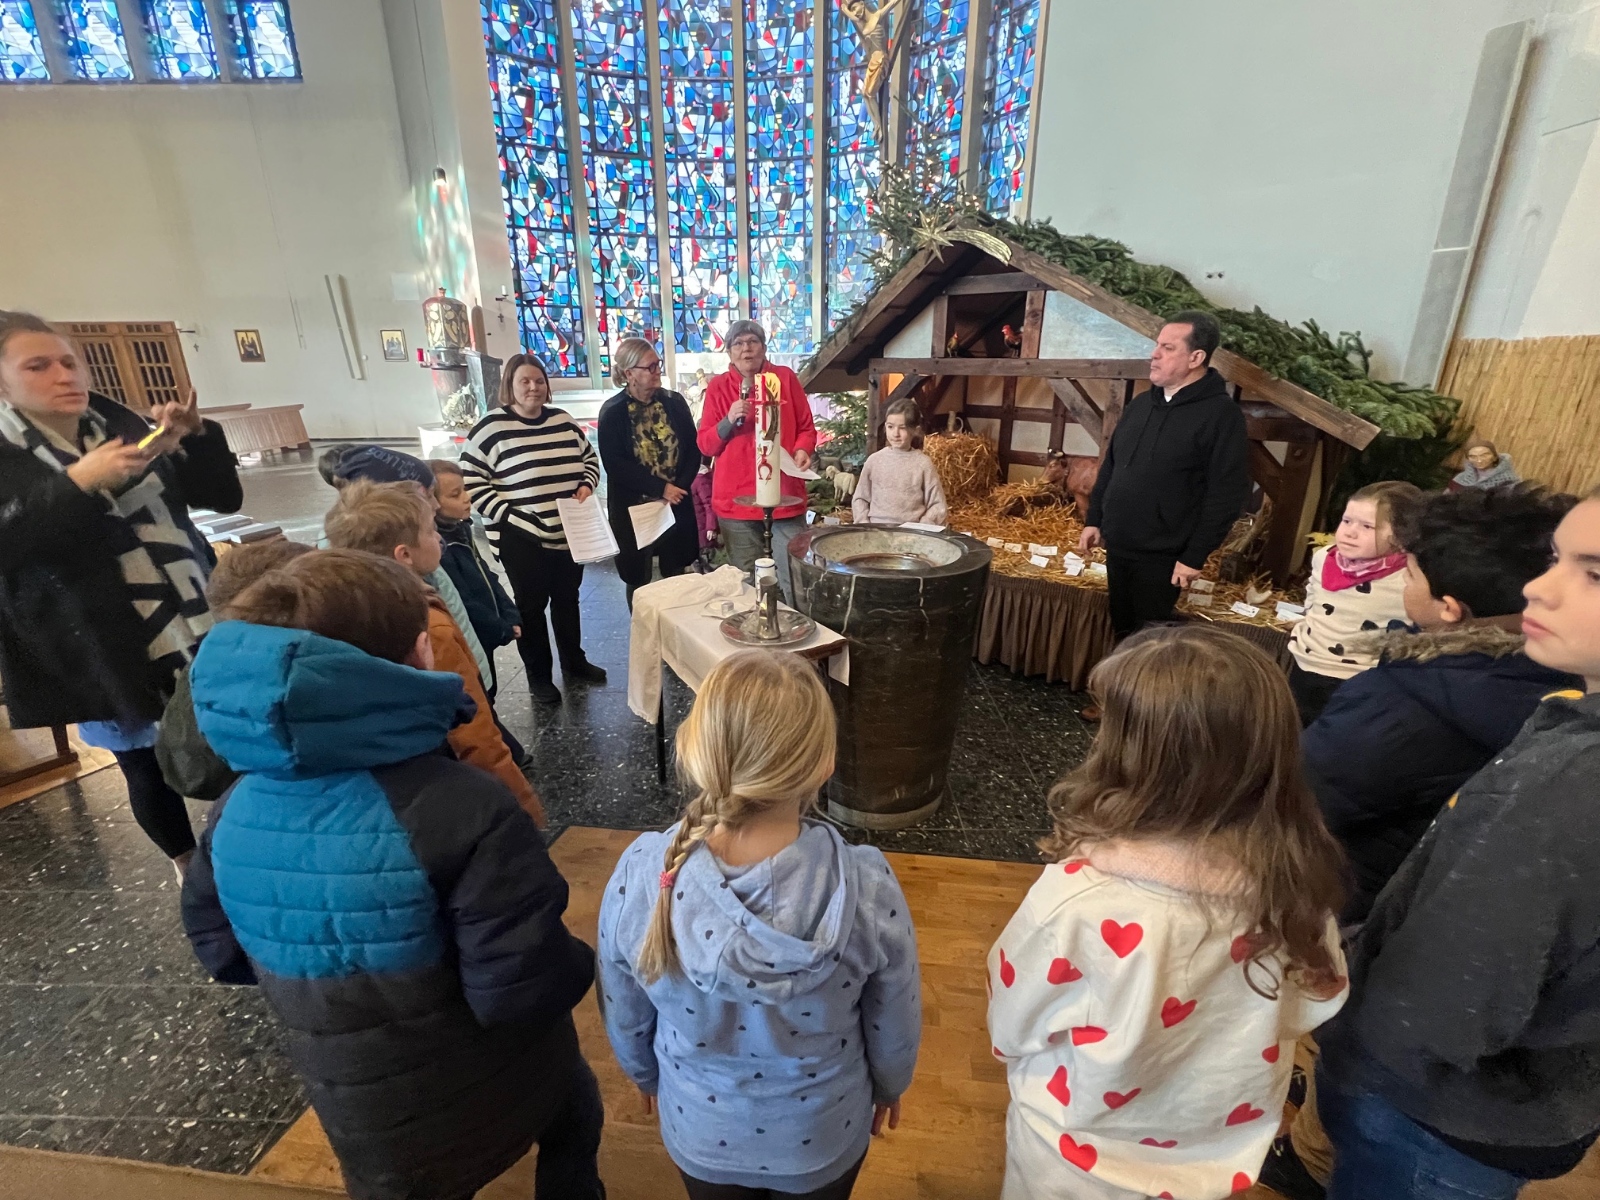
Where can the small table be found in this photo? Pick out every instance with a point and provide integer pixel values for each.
(692, 643)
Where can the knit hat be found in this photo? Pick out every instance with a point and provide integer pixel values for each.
(379, 464)
(740, 328)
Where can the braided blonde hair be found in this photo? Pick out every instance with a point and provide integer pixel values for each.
(760, 735)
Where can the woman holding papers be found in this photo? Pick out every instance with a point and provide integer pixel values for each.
(647, 443)
(519, 461)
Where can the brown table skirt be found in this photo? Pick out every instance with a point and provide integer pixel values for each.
(1044, 627)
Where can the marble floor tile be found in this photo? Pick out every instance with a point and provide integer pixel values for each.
(69, 1135)
(231, 1147)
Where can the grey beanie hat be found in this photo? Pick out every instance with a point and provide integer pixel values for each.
(739, 328)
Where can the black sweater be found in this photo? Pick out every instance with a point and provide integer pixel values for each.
(1175, 476)
(628, 481)
(72, 647)
(1475, 985)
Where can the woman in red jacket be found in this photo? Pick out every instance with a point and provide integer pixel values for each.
(727, 435)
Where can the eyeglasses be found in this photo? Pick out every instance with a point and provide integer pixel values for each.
(654, 367)
(745, 343)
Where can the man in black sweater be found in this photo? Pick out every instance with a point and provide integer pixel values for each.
(1174, 478)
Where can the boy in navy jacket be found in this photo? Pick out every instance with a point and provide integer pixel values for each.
(397, 907)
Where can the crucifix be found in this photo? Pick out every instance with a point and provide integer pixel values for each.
(873, 29)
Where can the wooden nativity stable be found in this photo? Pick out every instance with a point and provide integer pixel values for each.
(1038, 359)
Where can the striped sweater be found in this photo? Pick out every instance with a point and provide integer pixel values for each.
(516, 468)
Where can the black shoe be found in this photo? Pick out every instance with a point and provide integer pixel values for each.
(544, 693)
(584, 672)
(1285, 1174)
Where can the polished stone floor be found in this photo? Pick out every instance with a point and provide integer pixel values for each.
(115, 1043)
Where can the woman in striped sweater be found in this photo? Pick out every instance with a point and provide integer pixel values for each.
(518, 461)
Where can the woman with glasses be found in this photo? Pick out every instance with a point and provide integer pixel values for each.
(647, 445)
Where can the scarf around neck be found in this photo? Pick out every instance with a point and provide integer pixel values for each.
(1501, 473)
(161, 566)
(1339, 572)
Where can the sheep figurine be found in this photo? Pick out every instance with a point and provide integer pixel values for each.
(844, 485)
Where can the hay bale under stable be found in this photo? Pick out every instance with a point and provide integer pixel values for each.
(968, 465)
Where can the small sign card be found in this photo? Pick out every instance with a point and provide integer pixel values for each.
(1097, 568)
(995, 543)
(1290, 612)
(922, 525)
(1200, 599)
(1039, 560)
(1243, 609)
(1014, 547)
(1202, 585)
(1047, 551)
(1072, 566)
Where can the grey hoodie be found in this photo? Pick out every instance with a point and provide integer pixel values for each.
(798, 1004)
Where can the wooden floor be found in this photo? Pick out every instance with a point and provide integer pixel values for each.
(951, 1141)
(20, 747)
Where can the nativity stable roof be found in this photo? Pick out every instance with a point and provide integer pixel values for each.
(840, 363)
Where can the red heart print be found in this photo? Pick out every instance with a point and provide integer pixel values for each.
(1083, 1035)
(1243, 947)
(1270, 1054)
(995, 1050)
(1076, 865)
(1062, 971)
(1083, 1157)
(1057, 1086)
(1123, 939)
(1118, 1099)
(1175, 1010)
(1167, 1145)
(1243, 1114)
(1008, 973)
(1241, 1182)
(1164, 1196)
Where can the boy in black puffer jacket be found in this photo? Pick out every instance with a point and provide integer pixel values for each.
(493, 614)
(1396, 741)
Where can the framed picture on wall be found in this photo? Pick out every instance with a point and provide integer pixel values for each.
(394, 344)
(249, 343)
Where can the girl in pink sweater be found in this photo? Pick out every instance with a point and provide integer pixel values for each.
(1147, 996)
(899, 482)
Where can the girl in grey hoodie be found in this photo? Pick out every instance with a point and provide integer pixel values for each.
(759, 975)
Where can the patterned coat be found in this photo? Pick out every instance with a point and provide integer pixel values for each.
(1135, 1048)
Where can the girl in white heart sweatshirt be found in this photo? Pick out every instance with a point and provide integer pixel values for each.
(1147, 995)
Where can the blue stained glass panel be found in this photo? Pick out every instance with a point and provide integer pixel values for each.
(180, 39)
(263, 39)
(853, 170)
(21, 52)
(526, 95)
(1007, 99)
(612, 69)
(936, 72)
(779, 111)
(92, 31)
(701, 153)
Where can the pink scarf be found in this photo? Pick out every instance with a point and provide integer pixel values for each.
(1339, 572)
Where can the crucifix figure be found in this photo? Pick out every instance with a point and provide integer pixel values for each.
(872, 28)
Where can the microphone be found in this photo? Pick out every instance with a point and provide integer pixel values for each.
(744, 394)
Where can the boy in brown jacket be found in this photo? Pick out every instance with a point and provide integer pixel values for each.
(395, 520)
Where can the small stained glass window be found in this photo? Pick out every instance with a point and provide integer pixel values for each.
(263, 39)
(21, 52)
(936, 83)
(92, 31)
(1007, 98)
(181, 46)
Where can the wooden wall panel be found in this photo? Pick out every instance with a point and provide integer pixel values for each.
(1536, 399)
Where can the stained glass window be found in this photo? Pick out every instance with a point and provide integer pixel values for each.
(92, 31)
(936, 79)
(263, 39)
(778, 83)
(21, 53)
(536, 180)
(612, 72)
(853, 169)
(700, 147)
(180, 39)
(1007, 96)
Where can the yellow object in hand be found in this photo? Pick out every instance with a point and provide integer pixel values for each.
(151, 436)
